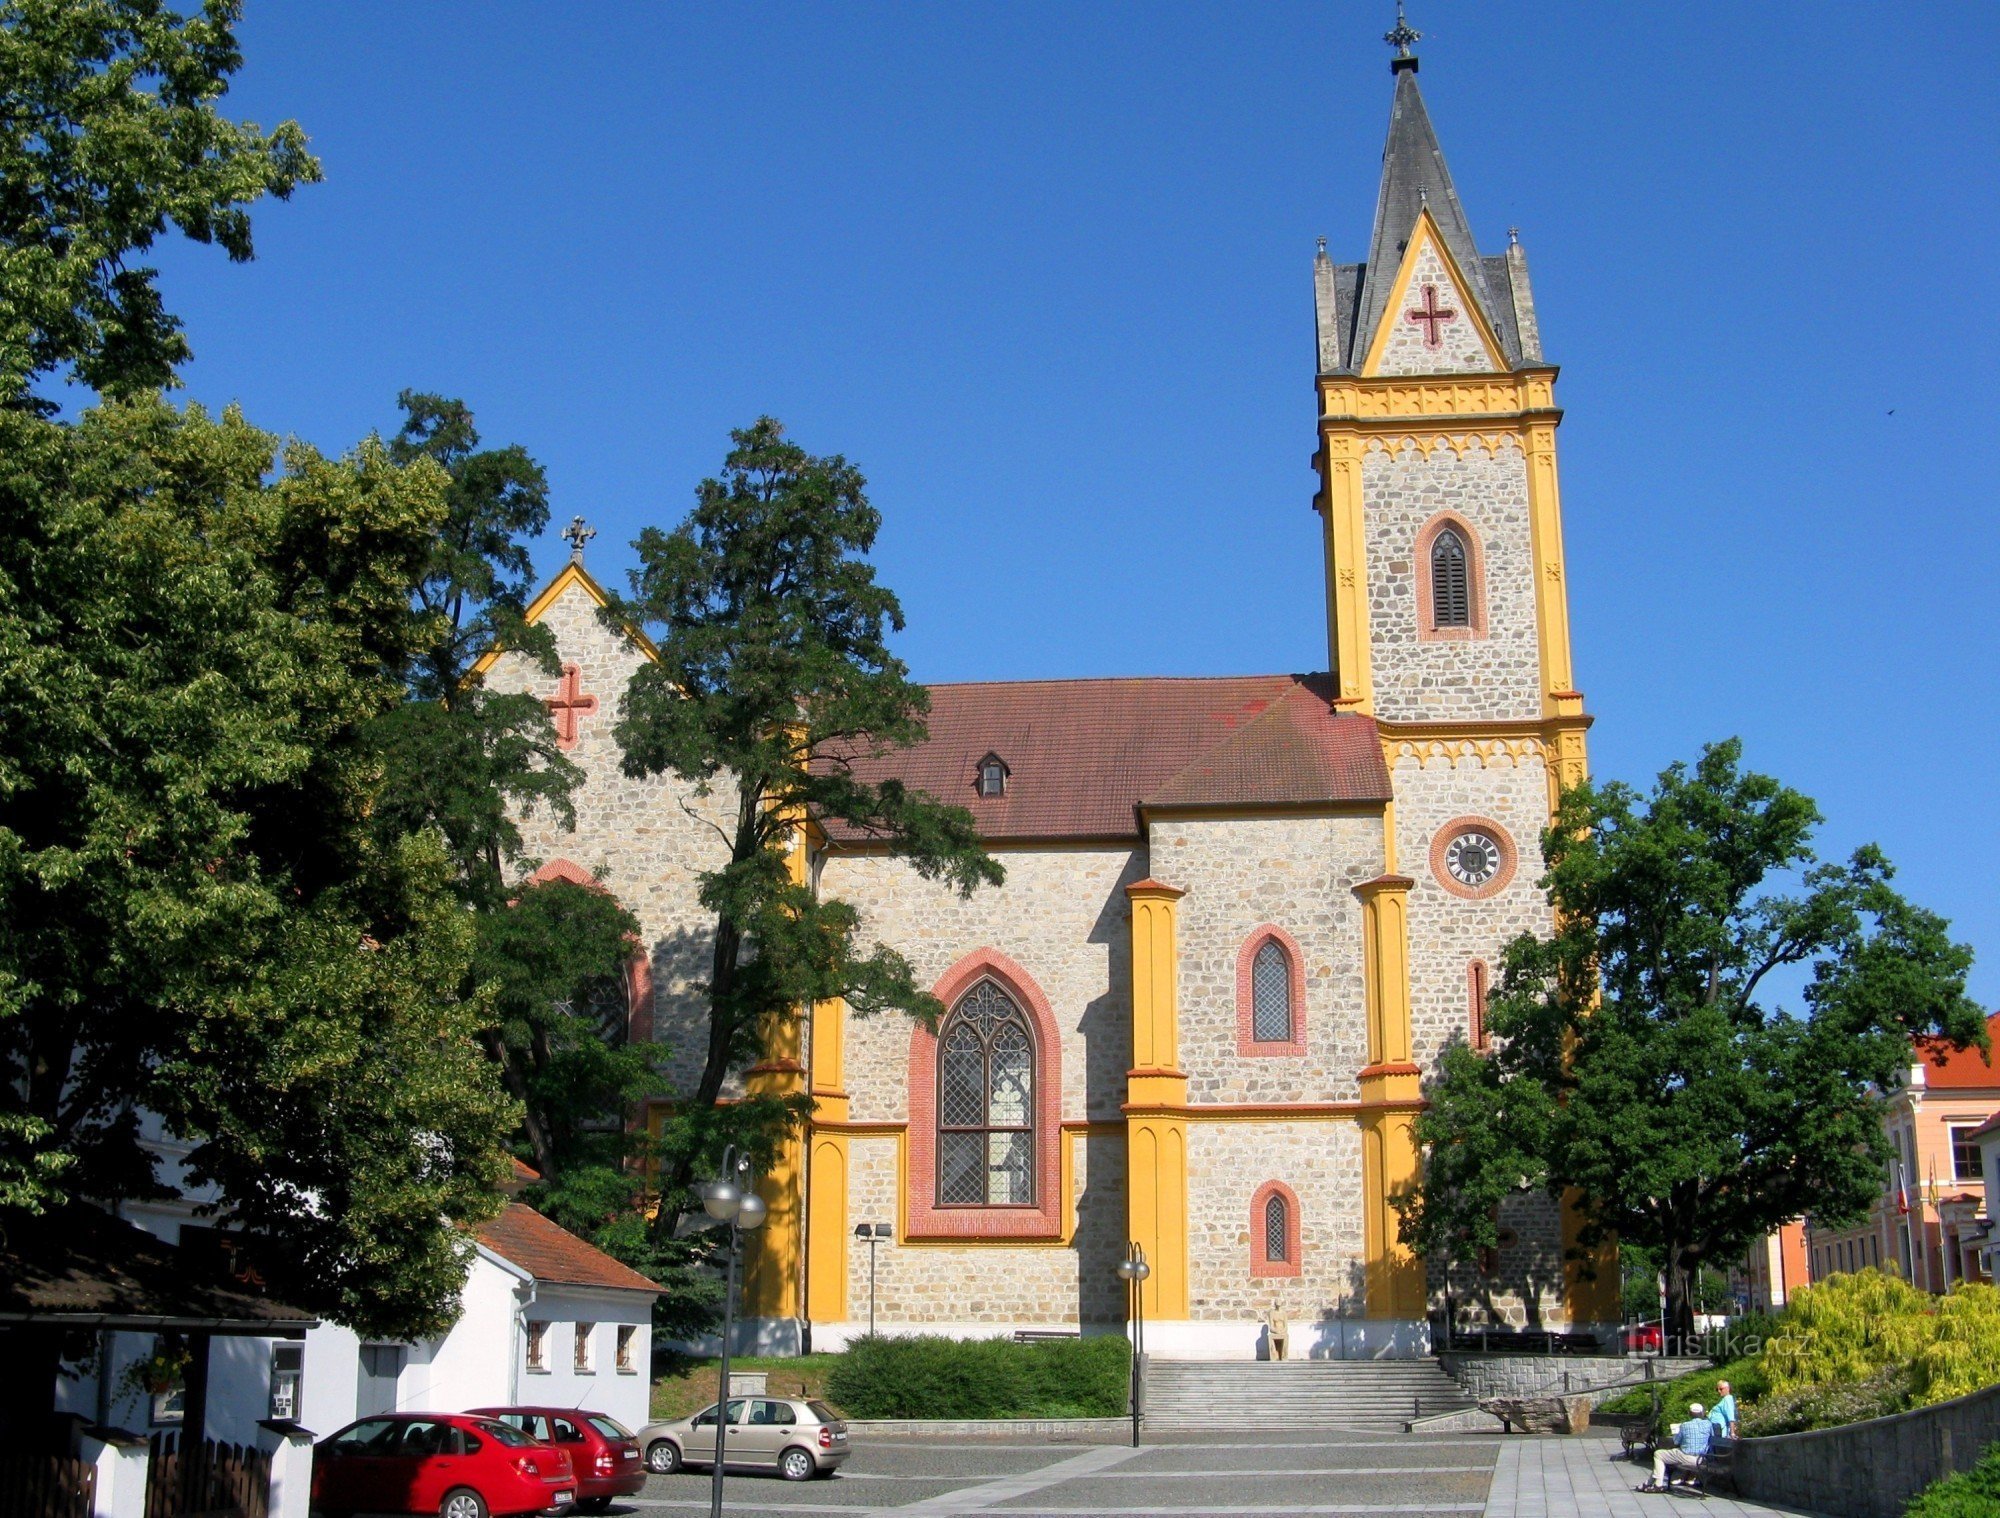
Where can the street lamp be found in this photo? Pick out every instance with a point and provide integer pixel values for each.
(1133, 1270)
(729, 1200)
(874, 1233)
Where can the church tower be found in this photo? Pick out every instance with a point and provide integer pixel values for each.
(1448, 623)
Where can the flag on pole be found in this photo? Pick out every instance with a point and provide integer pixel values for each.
(1902, 1192)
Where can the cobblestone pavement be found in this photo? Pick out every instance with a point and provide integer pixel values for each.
(1565, 1478)
(1322, 1472)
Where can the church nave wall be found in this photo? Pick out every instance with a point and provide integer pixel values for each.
(1320, 1162)
(1061, 916)
(1440, 678)
(1298, 874)
(1448, 931)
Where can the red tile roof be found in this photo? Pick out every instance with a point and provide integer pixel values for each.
(1947, 1068)
(1084, 755)
(522, 1236)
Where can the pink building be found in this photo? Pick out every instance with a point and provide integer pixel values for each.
(1931, 1215)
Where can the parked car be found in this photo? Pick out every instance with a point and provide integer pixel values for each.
(1645, 1338)
(602, 1449)
(452, 1464)
(798, 1437)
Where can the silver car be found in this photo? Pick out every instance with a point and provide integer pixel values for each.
(798, 1437)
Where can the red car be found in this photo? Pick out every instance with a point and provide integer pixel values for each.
(453, 1464)
(1644, 1338)
(603, 1450)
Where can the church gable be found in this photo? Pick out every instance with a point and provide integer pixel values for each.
(1432, 323)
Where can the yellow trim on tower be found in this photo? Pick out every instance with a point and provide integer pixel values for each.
(1346, 554)
(1426, 231)
(1391, 1093)
(1559, 695)
(572, 575)
(1155, 1087)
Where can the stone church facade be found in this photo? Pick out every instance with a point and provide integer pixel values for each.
(1242, 918)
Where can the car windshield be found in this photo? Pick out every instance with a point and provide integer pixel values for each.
(611, 1428)
(505, 1434)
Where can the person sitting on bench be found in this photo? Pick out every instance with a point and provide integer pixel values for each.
(1692, 1440)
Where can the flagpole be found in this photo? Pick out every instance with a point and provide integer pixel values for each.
(1909, 1240)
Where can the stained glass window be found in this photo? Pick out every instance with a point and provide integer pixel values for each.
(1271, 994)
(986, 1103)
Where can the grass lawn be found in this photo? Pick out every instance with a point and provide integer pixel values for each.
(686, 1385)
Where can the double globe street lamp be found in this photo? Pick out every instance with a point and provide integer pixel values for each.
(1133, 1270)
(729, 1200)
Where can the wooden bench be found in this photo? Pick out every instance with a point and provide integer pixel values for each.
(1043, 1335)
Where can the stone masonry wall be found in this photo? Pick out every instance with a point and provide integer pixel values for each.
(1448, 932)
(1544, 1375)
(1046, 1285)
(1299, 874)
(1459, 349)
(651, 838)
(1458, 679)
(1321, 1162)
(1061, 916)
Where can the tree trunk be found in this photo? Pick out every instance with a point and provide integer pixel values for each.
(517, 1087)
(1678, 1329)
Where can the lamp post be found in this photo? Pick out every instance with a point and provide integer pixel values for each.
(874, 1233)
(1133, 1270)
(729, 1200)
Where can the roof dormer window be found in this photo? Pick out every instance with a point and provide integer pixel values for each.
(992, 776)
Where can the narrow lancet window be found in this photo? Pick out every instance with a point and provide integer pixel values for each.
(1451, 585)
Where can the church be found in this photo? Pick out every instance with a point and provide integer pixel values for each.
(1243, 916)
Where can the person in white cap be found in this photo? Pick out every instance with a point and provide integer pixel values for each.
(1691, 1441)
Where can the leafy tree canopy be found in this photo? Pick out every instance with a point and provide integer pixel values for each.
(774, 674)
(109, 136)
(199, 918)
(1639, 1057)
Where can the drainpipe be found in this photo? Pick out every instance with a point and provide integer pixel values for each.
(518, 1349)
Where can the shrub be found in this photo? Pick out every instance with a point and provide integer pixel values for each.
(1697, 1386)
(1744, 1338)
(928, 1376)
(1969, 1494)
(1799, 1408)
(1964, 1352)
(1848, 1328)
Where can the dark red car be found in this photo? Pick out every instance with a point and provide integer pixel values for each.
(602, 1449)
(457, 1465)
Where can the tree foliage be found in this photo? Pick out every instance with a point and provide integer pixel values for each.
(774, 675)
(199, 918)
(1640, 1061)
(109, 137)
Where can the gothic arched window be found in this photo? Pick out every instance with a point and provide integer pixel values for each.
(1271, 994)
(1451, 580)
(986, 1103)
(1277, 1230)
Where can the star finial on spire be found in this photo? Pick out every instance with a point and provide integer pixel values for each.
(1402, 39)
(578, 535)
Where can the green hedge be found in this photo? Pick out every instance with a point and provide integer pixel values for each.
(1696, 1386)
(1969, 1494)
(928, 1376)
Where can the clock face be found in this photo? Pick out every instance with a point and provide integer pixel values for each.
(1472, 859)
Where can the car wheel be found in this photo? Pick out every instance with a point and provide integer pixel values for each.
(663, 1457)
(797, 1465)
(462, 1502)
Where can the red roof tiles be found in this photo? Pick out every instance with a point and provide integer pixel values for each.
(1947, 1068)
(1084, 755)
(523, 1237)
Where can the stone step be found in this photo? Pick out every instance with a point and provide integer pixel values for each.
(1355, 1394)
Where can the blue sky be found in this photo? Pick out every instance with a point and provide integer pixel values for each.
(1043, 272)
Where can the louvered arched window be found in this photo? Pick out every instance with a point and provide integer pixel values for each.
(1271, 994)
(1277, 1230)
(1451, 580)
(986, 1103)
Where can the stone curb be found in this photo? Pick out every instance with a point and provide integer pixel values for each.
(1061, 1430)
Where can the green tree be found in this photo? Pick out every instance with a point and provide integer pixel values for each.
(774, 673)
(1638, 1056)
(109, 136)
(199, 918)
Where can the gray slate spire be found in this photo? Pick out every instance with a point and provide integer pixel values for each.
(1414, 177)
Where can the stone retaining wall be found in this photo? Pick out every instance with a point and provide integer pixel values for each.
(1484, 1375)
(1871, 1469)
(1044, 1430)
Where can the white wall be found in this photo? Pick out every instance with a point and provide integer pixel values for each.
(604, 1388)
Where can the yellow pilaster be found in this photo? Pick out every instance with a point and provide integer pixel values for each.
(1346, 569)
(774, 1264)
(1390, 1100)
(1559, 694)
(826, 1180)
(1156, 1096)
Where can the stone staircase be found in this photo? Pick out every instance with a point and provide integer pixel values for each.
(1367, 1395)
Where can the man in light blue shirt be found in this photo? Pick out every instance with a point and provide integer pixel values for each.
(1723, 1414)
(1692, 1440)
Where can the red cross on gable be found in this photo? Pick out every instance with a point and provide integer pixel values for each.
(567, 704)
(1431, 316)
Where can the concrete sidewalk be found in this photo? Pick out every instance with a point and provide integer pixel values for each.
(1587, 1478)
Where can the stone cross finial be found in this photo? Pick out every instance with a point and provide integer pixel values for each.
(1405, 36)
(578, 535)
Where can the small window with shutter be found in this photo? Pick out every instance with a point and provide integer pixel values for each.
(1451, 584)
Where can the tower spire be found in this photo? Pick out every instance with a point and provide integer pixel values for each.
(1402, 39)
